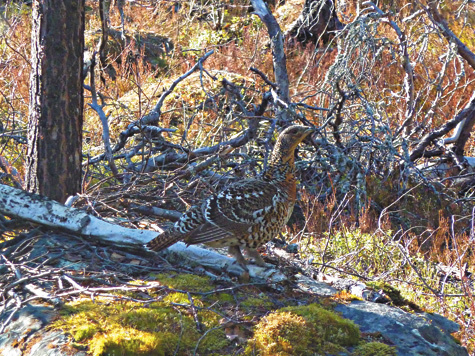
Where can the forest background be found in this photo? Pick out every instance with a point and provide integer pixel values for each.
(182, 98)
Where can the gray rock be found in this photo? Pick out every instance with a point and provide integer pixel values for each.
(292, 248)
(25, 335)
(310, 285)
(51, 344)
(419, 334)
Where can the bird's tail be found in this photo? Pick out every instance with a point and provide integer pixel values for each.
(163, 240)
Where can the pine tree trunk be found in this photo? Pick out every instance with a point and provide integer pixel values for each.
(53, 165)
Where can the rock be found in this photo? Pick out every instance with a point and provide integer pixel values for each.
(292, 248)
(310, 285)
(419, 334)
(52, 343)
(26, 336)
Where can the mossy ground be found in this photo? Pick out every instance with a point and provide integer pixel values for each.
(189, 282)
(171, 326)
(302, 330)
(130, 328)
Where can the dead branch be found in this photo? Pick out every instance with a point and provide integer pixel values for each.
(408, 76)
(264, 77)
(154, 115)
(467, 113)
(102, 116)
(439, 21)
(153, 210)
(336, 110)
(278, 54)
(316, 22)
(32, 207)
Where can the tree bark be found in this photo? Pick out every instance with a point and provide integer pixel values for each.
(53, 165)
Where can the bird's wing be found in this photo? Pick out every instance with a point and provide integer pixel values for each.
(234, 211)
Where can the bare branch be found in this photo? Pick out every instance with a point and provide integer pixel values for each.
(102, 116)
(264, 77)
(409, 73)
(278, 53)
(467, 112)
(438, 20)
(155, 113)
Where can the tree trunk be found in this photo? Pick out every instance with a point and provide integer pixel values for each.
(55, 123)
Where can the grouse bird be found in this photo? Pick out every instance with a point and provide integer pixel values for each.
(246, 214)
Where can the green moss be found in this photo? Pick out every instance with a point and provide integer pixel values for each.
(111, 328)
(85, 331)
(225, 298)
(281, 333)
(215, 340)
(329, 325)
(261, 300)
(375, 349)
(302, 330)
(188, 282)
(181, 298)
(128, 342)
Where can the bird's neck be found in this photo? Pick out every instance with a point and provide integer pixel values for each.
(280, 170)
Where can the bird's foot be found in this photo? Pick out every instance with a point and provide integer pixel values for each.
(243, 265)
(258, 260)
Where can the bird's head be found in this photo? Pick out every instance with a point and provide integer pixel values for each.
(288, 141)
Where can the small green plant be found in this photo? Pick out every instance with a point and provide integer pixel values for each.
(375, 349)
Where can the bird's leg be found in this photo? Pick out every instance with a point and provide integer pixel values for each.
(257, 257)
(235, 251)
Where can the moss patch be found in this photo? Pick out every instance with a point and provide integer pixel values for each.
(133, 329)
(224, 298)
(375, 349)
(188, 282)
(87, 331)
(259, 301)
(302, 330)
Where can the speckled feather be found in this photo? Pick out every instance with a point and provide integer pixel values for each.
(246, 214)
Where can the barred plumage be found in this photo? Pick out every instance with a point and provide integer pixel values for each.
(247, 214)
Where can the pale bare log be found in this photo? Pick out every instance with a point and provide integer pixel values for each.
(217, 262)
(32, 207)
(18, 203)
